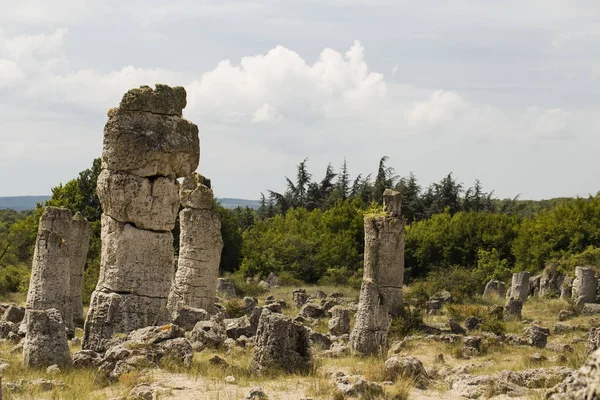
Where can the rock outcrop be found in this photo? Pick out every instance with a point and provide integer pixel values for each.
(200, 245)
(381, 290)
(583, 384)
(147, 146)
(585, 286)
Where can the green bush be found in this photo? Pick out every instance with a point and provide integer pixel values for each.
(493, 325)
(409, 322)
(244, 288)
(14, 278)
(459, 281)
(287, 279)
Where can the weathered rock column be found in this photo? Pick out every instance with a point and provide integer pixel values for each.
(50, 270)
(48, 295)
(80, 241)
(200, 246)
(381, 289)
(147, 146)
(585, 286)
(520, 286)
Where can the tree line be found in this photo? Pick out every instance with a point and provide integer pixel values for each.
(313, 230)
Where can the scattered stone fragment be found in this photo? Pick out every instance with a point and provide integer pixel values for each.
(312, 310)
(339, 324)
(471, 323)
(406, 367)
(537, 336)
(456, 328)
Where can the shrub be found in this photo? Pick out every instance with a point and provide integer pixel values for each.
(235, 308)
(494, 325)
(14, 278)
(287, 279)
(245, 288)
(459, 281)
(410, 322)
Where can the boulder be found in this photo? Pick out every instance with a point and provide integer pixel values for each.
(208, 335)
(281, 345)
(494, 288)
(537, 336)
(300, 297)
(188, 317)
(14, 314)
(520, 286)
(513, 308)
(593, 342)
(406, 367)
(339, 324)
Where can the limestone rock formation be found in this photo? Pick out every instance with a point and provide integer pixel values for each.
(381, 289)
(80, 241)
(49, 286)
(200, 247)
(583, 384)
(593, 342)
(585, 286)
(150, 204)
(46, 340)
(147, 146)
(520, 286)
(226, 288)
(281, 345)
(566, 288)
(551, 282)
(494, 288)
(384, 252)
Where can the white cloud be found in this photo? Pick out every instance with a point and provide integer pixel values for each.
(10, 73)
(24, 48)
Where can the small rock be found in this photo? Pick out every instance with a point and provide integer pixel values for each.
(230, 379)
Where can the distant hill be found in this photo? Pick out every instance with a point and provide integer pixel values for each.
(20, 203)
(234, 203)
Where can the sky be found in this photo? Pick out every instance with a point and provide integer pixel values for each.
(507, 92)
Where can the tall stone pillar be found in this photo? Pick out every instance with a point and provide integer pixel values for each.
(585, 286)
(381, 290)
(50, 270)
(147, 146)
(520, 286)
(200, 246)
(80, 241)
(49, 292)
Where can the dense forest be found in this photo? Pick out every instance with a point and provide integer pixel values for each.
(457, 237)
